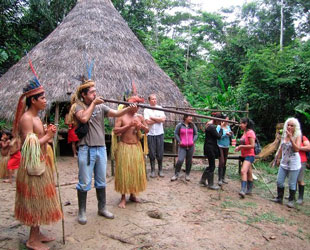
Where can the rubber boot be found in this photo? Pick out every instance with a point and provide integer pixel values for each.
(301, 189)
(211, 182)
(291, 199)
(249, 188)
(204, 177)
(152, 169)
(160, 168)
(82, 197)
(279, 198)
(102, 209)
(223, 176)
(220, 176)
(175, 177)
(243, 189)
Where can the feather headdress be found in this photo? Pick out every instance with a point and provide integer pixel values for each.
(34, 87)
(86, 82)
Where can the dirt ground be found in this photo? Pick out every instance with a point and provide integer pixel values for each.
(188, 217)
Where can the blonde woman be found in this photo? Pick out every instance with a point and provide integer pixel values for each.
(290, 163)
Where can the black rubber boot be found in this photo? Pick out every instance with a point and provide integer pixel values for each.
(220, 176)
(249, 188)
(301, 189)
(223, 176)
(102, 209)
(152, 169)
(82, 197)
(291, 199)
(279, 198)
(204, 178)
(243, 189)
(211, 182)
(160, 168)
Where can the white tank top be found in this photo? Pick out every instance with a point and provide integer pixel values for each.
(290, 159)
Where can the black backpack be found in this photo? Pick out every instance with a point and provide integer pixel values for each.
(257, 147)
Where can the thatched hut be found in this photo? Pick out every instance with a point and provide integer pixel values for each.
(96, 30)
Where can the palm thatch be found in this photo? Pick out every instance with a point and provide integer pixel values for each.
(95, 30)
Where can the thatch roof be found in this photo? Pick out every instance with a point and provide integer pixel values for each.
(94, 28)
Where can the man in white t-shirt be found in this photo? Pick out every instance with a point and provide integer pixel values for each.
(155, 137)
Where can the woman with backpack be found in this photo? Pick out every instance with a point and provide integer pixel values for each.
(223, 144)
(186, 135)
(290, 163)
(211, 150)
(247, 144)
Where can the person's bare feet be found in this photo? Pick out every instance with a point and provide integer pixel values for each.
(122, 204)
(36, 245)
(44, 238)
(134, 198)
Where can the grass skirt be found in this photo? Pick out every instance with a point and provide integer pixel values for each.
(36, 201)
(130, 177)
(4, 166)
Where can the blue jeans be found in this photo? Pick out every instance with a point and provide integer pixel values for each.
(97, 164)
(292, 178)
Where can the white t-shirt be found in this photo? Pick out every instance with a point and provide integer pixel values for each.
(156, 128)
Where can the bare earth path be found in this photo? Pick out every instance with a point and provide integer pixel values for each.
(187, 216)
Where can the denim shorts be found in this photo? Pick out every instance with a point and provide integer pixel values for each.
(250, 158)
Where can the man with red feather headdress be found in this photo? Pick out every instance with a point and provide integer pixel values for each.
(36, 201)
(130, 176)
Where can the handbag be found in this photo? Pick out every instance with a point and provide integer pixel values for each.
(36, 170)
(82, 130)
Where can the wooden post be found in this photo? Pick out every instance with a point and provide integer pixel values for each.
(112, 167)
(174, 146)
(247, 109)
(56, 122)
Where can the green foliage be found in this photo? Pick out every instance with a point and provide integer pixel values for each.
(107, 126)
(169, 132)
(23, 24)
(274, 83)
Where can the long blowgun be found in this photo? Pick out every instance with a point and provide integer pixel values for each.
(171, 111)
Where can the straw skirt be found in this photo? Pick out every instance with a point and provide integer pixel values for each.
(130, 177)
(4, 166)
(36, 201)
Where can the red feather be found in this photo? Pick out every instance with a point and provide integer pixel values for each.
(31, 66)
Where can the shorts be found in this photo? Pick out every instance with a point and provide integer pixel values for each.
(249, 158)
(302, 172)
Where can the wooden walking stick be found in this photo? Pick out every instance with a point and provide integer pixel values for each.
(57, 184)
(263, 180)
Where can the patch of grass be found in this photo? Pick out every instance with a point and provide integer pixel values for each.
(270, 217)
(232, 171)
(266, 168)
(238, 204)
(22, 246)
(198, 167)
(304, 209)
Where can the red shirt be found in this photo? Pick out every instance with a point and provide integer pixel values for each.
(303, 157)
(245, 138)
